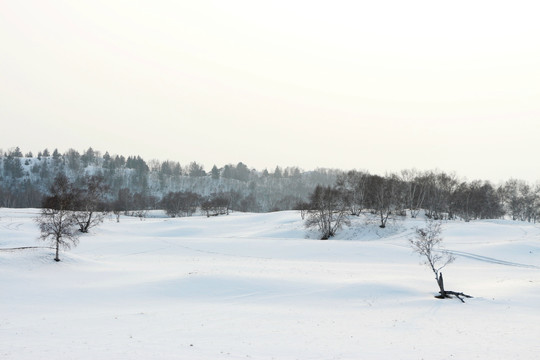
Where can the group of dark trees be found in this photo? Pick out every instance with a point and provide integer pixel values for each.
(181, 203)
(439, 195)
(186, 203)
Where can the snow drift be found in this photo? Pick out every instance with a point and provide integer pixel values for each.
(260, 286)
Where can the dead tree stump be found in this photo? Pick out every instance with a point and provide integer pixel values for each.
(447, 294)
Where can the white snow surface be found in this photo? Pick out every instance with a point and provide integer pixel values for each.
(260, 286)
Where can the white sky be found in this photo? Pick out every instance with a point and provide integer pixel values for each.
(376, 85)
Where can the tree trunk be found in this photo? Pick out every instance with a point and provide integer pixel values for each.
(57, 249)
(446, 294)
(87, 223)
(440, 282)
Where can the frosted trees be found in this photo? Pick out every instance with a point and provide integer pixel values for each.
(428, 244)
(196, 170)
(215, 172)
(12, 164)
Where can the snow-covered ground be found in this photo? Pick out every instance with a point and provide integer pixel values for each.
(259, 286)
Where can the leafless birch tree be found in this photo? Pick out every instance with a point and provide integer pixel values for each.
(428, 244)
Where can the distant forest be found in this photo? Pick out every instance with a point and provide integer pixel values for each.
(139, 184)
(136, 184)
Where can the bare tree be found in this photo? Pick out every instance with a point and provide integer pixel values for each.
(522, 200)
(415, 190)
(428, 244)
(354, 187)
(303, 207)
(440, 187)
(89, 203)
(328, 211)
(384, 196)
(56, 221)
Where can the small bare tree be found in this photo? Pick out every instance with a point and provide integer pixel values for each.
(428, 244)
(59, 227)
(89, 203)
(327, 211)
(56, 221)
(303, 207)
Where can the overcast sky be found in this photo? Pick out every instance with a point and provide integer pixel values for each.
(374, 85)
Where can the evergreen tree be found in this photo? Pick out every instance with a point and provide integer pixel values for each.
(17, 152)
(278, 174)
(215, 172)
(89, 157)
(228, 172)
(196, 170)
(242, 172)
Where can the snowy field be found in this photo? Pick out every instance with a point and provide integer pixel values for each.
(259, 286)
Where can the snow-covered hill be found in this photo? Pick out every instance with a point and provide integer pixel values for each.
(259, 286)
(24, 181)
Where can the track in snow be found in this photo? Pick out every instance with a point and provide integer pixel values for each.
(491, 260)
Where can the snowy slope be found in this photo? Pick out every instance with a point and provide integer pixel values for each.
(260, 286)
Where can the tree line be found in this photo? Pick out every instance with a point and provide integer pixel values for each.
(439, 195)
(132, 184)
